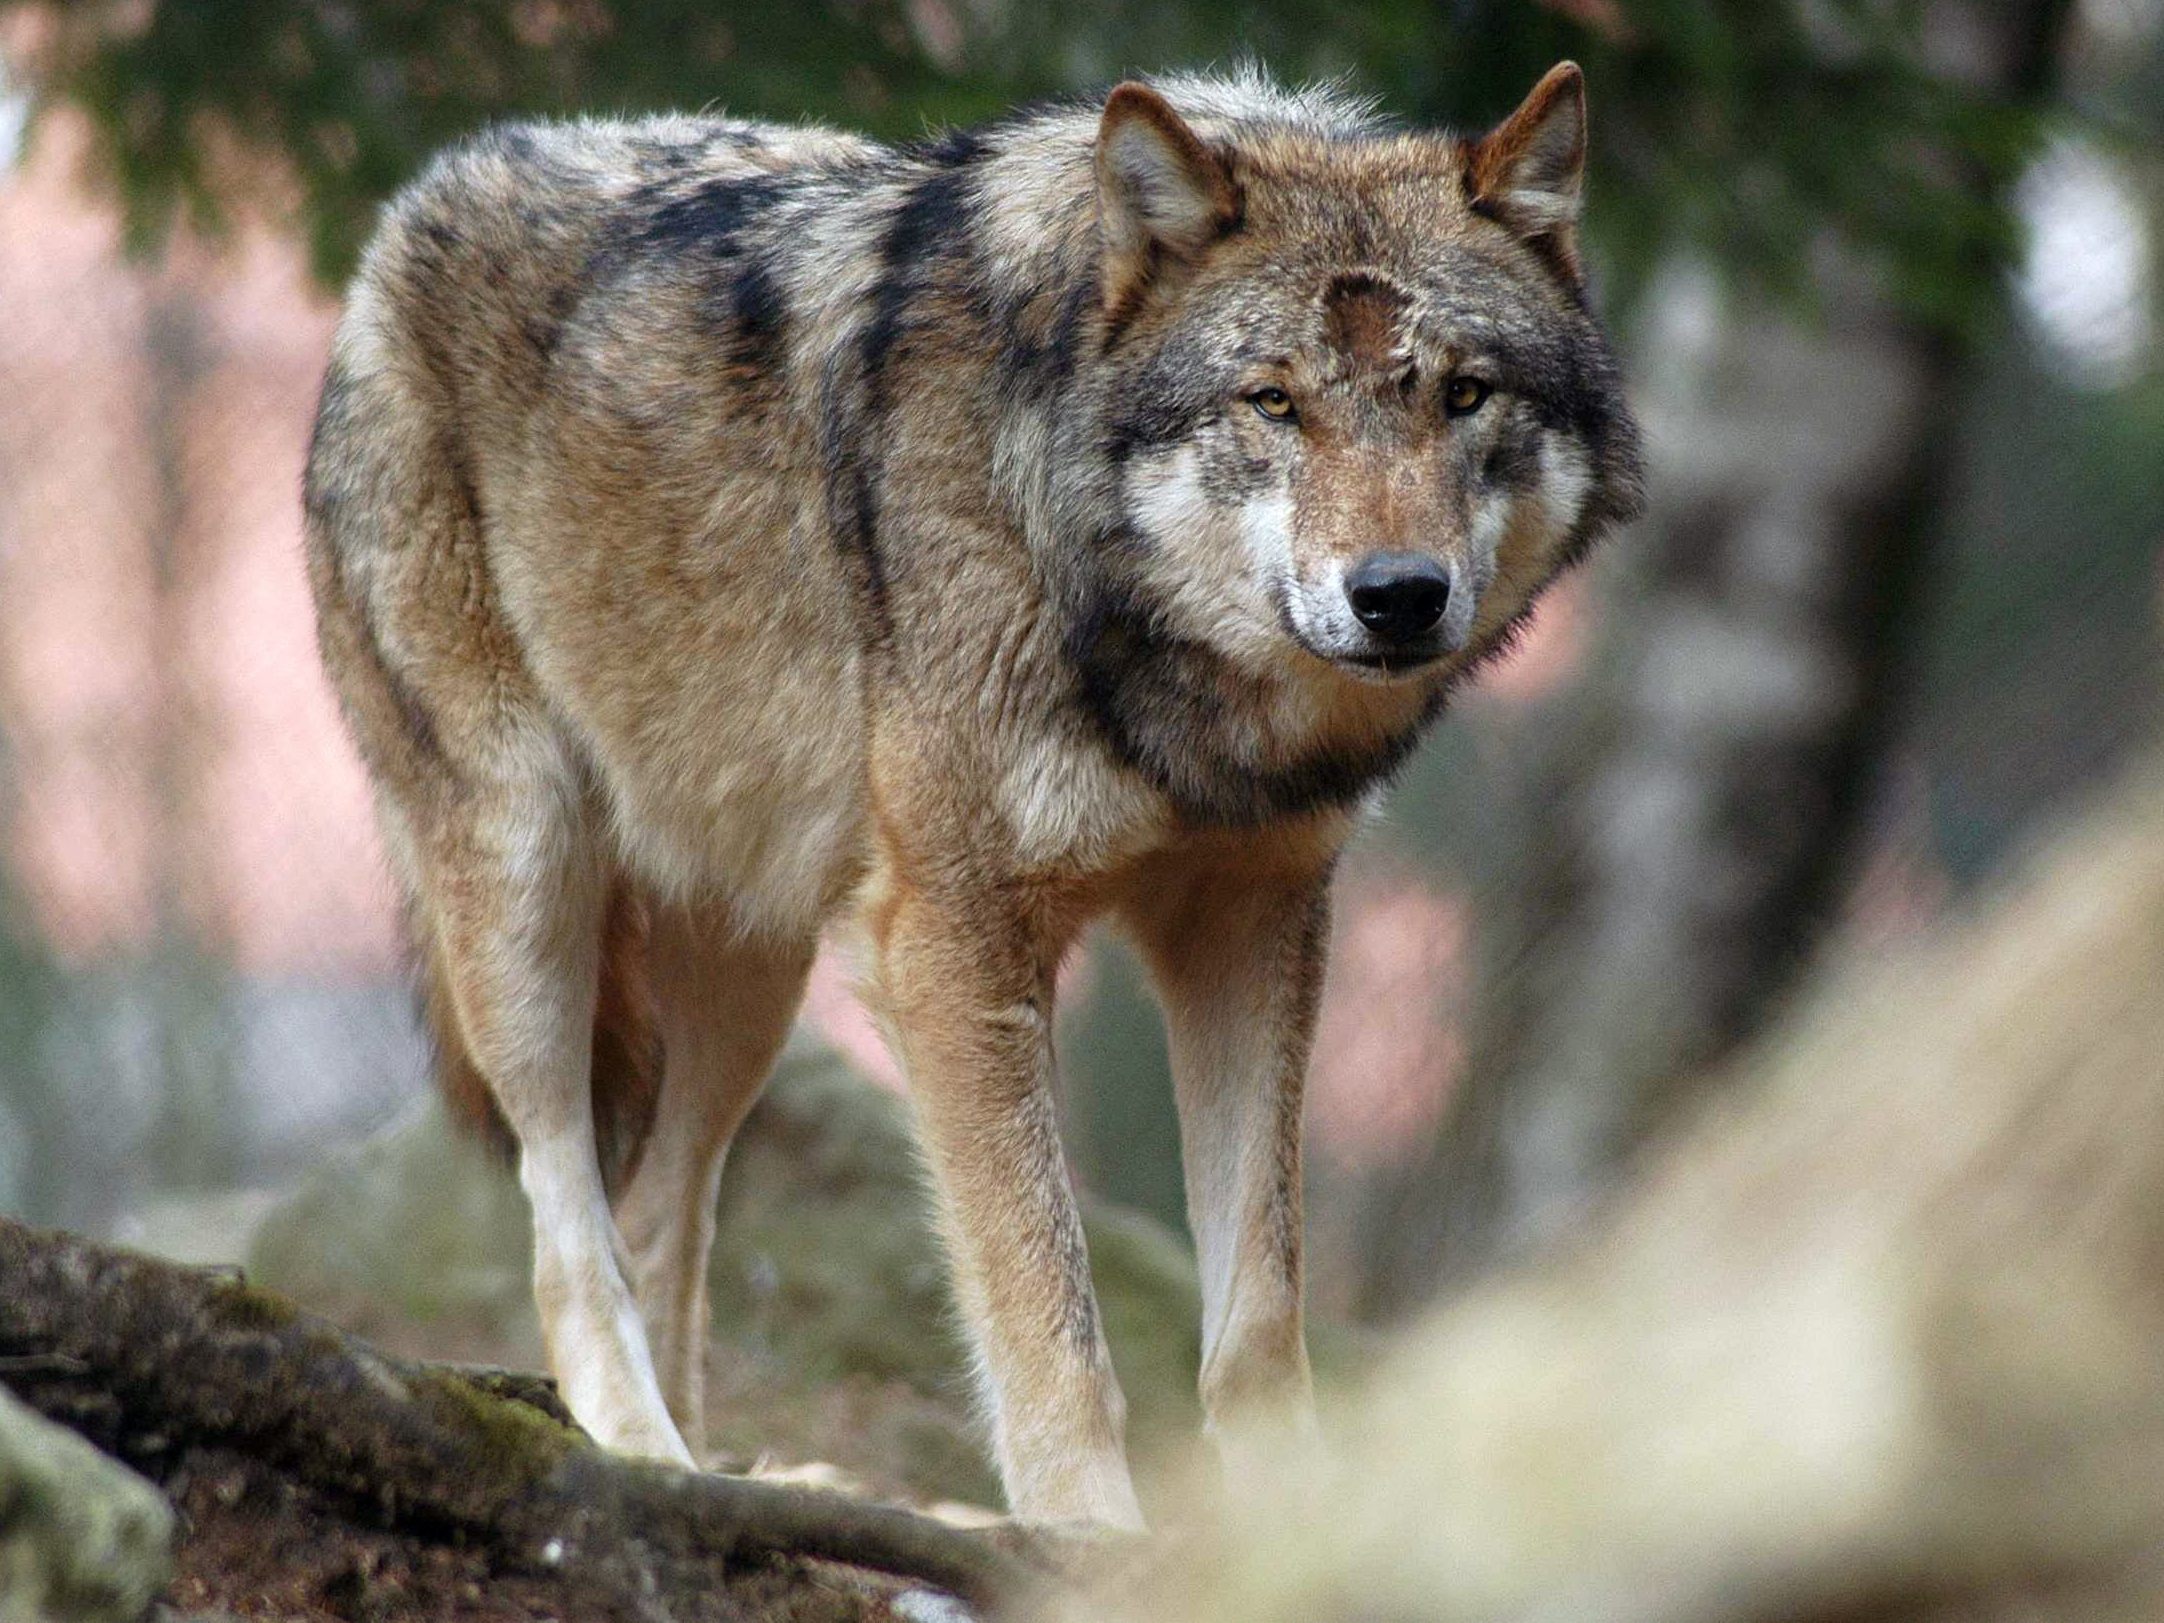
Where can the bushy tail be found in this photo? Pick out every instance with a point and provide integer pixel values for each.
(626, 1047)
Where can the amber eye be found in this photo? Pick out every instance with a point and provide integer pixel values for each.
(1273, 403)
(1462, 395)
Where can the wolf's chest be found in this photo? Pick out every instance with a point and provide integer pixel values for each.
(1067, 802)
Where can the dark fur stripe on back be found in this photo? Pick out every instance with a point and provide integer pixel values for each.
(926, 236)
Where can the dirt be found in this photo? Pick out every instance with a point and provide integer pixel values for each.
(256, 1545)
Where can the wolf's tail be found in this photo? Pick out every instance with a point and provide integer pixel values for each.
(626, 1047)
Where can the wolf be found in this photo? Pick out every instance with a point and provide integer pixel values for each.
(721, 530)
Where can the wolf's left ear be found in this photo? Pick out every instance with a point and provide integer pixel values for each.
(1163, 194)
(1529, 171)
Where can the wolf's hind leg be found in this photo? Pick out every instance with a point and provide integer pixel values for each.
(725, 1005)
(514, 899)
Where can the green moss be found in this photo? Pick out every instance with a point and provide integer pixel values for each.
(249, 1307)
(512, 1441)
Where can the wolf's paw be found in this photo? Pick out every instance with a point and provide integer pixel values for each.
(929, 1606)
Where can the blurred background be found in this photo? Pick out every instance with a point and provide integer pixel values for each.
(1886, 276)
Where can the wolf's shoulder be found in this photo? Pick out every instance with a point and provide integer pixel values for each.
(517, 202)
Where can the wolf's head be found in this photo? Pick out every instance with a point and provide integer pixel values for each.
(1360, 411)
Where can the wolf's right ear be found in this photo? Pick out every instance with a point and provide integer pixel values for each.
(1162, 192)
(1529, 171)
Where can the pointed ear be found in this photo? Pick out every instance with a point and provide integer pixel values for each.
(1529, 171)
(1162, 193)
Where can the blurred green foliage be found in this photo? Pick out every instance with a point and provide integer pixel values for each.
(1740, 129)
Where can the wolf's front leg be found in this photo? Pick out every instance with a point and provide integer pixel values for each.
(967, 987)
(1235, 943)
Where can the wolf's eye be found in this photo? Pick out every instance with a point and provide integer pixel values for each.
(1462, 395)
(1274, 404)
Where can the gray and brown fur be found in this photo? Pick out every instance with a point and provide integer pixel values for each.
(717, 529)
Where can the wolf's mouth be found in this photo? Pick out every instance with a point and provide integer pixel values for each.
(1402, 662)
(1387, 666)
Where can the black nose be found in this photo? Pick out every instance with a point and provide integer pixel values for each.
(1398, 595)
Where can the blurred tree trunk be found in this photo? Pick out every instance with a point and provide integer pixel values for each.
(185, 988)
(1680, 818)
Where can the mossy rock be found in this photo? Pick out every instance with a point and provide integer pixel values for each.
(834, 1331)
(83, 1539)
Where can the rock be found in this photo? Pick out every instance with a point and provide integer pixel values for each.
(834, 1336)
(83, 1539)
